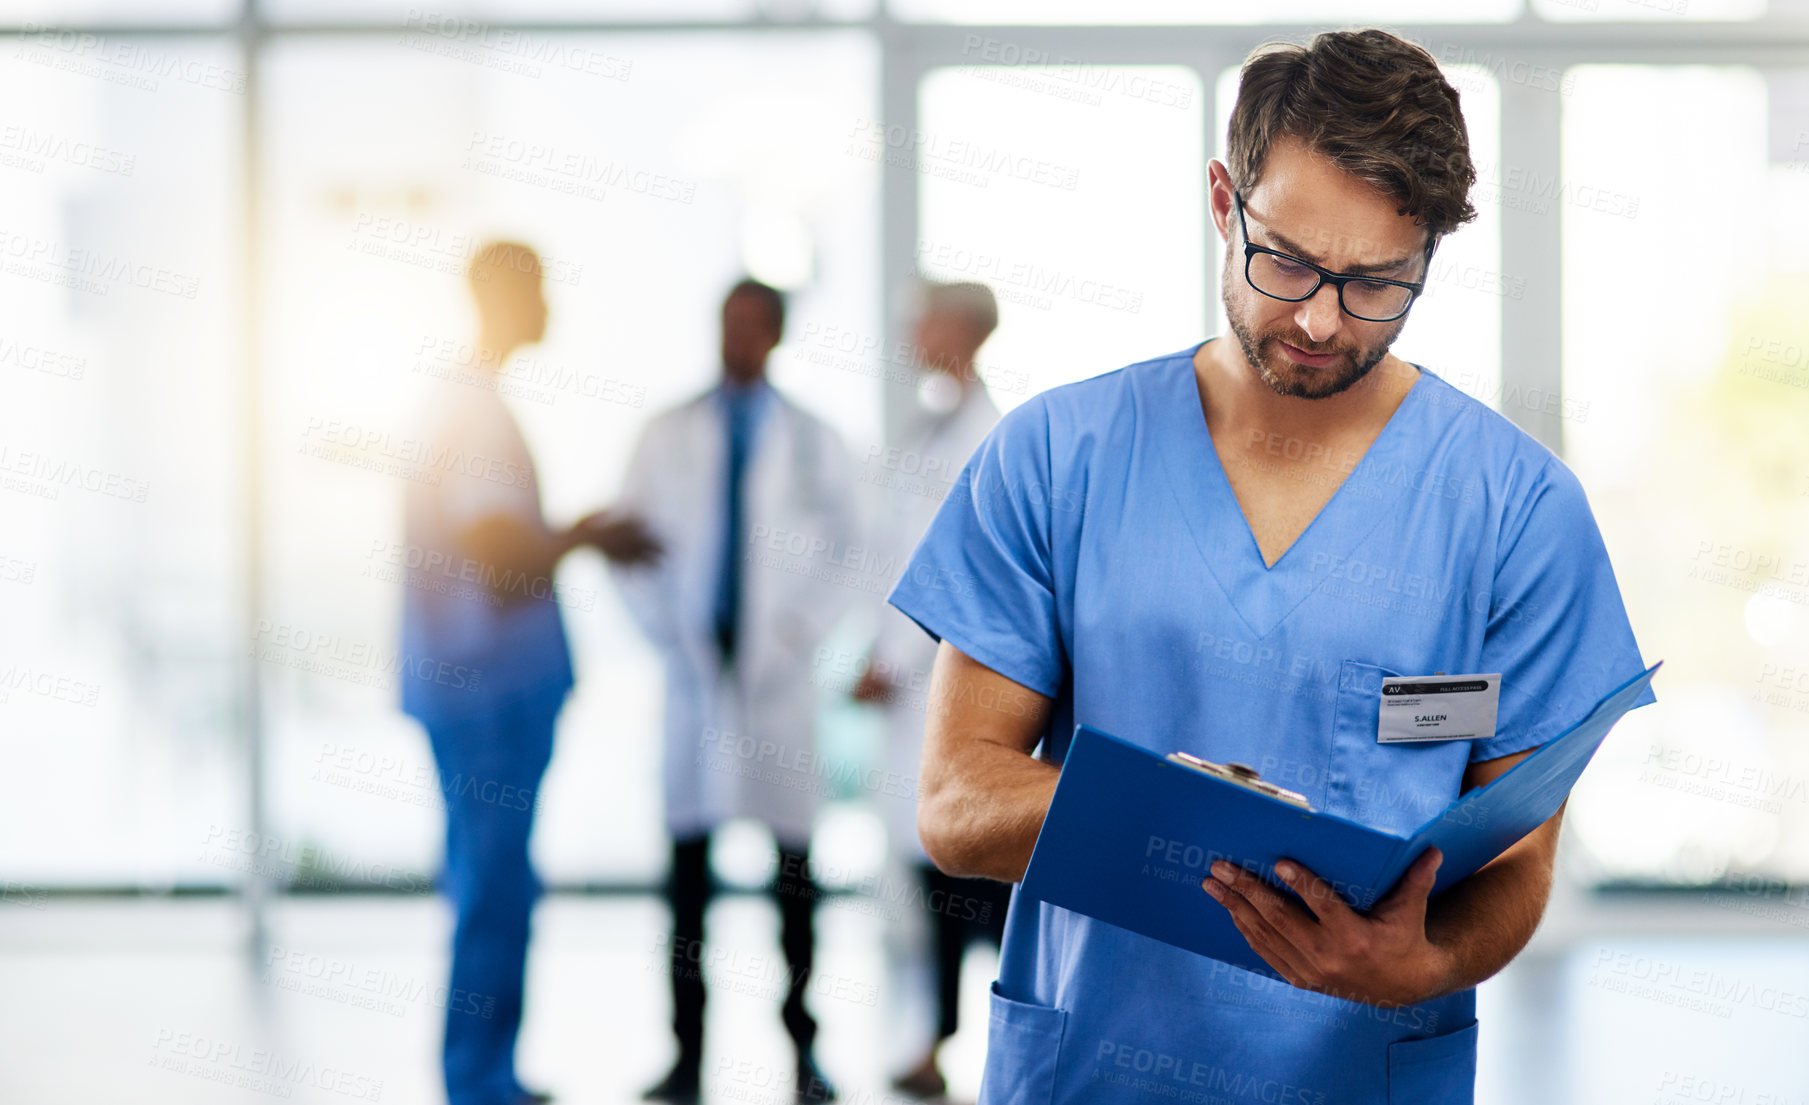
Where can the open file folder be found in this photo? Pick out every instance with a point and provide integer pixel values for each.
(1130, 834)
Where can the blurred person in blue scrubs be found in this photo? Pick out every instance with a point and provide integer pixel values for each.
(752, 499)
(954, 414)
(1224, 551)
(486, 667)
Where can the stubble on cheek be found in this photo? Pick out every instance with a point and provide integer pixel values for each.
(1264, 355)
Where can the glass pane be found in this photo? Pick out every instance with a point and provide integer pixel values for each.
(41, 17)
(120, 494)
(1684, 330)
(1078, 201)
(646, 197)
(1188, 11)
(462, 28)
(1455, 326)
(1576, 11)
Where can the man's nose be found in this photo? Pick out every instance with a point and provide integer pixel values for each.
(1318, 315)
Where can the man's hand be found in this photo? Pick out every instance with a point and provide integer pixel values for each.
(1383, 958)
(873, 687)
(624, 540)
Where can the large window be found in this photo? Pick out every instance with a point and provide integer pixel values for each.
(183, 506)
(1684, 347)
(121, 477)
(1075, 194)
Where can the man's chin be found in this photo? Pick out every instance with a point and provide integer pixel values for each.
(1286, 377)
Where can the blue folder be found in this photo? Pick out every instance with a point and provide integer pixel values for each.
(1130, 834)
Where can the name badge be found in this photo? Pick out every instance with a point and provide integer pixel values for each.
(1438, 708)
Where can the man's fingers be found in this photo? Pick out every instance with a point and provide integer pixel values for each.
(1258, 933)
(1326, 904)
(627, 541)
(1278, 954)
(1289, 922)
(1275, 908)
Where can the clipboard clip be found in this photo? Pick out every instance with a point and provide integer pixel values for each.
(1242, 775)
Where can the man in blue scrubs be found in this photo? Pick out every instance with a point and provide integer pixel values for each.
(486, 667)
(1224, 551)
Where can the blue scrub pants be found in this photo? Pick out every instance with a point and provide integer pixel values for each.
(490, 766)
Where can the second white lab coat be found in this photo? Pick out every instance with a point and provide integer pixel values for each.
(914, 484)
(742, 742)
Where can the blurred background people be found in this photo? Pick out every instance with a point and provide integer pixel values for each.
(486, 666)
(753, 501)
(953, 415)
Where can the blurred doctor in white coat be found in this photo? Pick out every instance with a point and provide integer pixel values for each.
(953, 416)
(753, 502)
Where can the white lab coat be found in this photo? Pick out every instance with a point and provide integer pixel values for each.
(915, 480)
(742, 742)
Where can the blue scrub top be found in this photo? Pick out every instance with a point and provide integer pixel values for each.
(1093, 552)
(466, 654)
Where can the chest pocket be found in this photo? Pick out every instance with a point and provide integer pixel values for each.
(1394, 787)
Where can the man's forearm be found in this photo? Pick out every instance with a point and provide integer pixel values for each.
(519, 557)
(983, 821)
(983, 795)
(1484, 921)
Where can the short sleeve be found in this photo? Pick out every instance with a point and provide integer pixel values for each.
(981, 578)
(1557, 630)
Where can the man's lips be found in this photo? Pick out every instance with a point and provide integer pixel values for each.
(1301, 356)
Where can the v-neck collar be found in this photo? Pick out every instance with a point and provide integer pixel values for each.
(1264, 594)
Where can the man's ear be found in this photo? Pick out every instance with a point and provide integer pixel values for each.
(1216, 172)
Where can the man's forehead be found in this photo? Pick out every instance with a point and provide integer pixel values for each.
(1312, 207)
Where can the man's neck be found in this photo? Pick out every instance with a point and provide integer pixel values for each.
(494, 352)
(1239, 403)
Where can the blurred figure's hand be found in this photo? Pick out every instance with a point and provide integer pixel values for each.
(873, 687)
(624, 540)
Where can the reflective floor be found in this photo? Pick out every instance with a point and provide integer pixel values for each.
(158, 1001)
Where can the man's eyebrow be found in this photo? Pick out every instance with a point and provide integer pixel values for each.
(1362, 270)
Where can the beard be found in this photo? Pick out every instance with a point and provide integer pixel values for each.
(1264, 353)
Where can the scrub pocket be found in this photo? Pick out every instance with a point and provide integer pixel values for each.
(1022, 1046)
(1393, 787)
(1439, 1070)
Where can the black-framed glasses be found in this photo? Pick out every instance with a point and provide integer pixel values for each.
(1291, 279)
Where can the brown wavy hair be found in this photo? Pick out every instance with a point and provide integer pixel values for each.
(1376, 105)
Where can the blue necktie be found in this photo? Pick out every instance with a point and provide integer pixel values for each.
(739, 419)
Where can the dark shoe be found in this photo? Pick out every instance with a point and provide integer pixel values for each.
(922, 1080)
(681, 1085)
(533, 1097)
(813, 1084)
